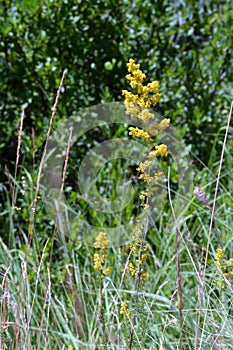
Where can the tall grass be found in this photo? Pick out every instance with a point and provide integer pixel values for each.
(51, 296)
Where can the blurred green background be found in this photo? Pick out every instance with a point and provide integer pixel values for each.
(185, 45)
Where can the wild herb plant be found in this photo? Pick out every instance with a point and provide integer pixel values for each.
(138, 106)
(67, 295)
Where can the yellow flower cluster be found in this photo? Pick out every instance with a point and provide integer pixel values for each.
(229, 262)
(143, 195)
(137, 105)
(140, 250)
(124, 310)
(132, 269)
(100, 258)
(143, 166)
(144, 169)
(160, 151)
(107, 271)
(219, 257)
(102, 240)
(136, 132)
(136, 78)
(224, 266)
(157, 128)
(153, 129)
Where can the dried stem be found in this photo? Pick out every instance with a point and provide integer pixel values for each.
(44, 155)
(18, 155)
(12, 186)
(179, 277)
(38, 185)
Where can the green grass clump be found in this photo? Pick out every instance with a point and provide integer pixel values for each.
(165, 289)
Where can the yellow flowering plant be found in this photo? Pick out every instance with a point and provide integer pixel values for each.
(124, 309)
(138, 106)
(100, 264)
(101, 257)
(225, 269)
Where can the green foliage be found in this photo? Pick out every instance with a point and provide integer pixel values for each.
(49, 295)
(185, 45)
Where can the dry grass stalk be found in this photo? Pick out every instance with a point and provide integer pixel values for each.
(44, 155)
(179, 277)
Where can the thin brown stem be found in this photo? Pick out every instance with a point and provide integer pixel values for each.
(12, 186)
(31, 221)
(179, 276)
(18, 155)
(44, 155)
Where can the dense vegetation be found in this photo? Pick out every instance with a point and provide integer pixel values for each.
(50, 294)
